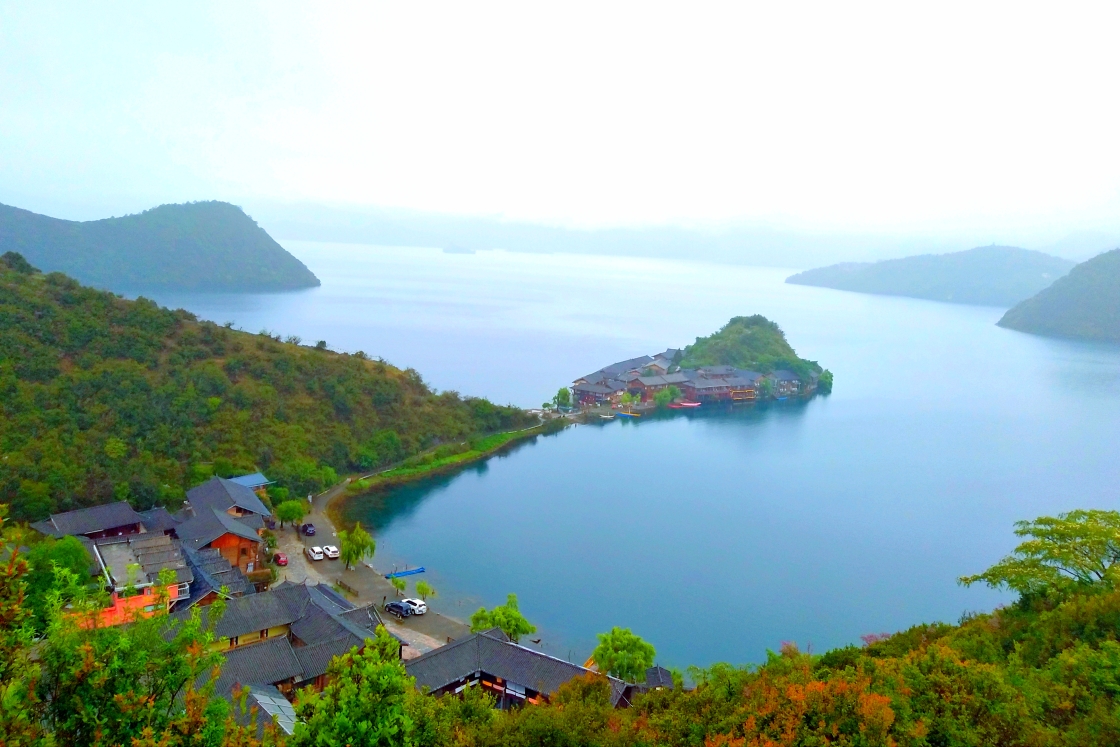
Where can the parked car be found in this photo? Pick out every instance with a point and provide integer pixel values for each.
(330, 551)
(315, 553)
(307, 530)
(419, 607)
(280, 558)
(400, 609)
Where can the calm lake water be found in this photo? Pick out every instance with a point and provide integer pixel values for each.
(720, 533)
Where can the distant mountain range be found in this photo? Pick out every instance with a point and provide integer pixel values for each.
(1084, 304)
(987, 275)
(195, 246)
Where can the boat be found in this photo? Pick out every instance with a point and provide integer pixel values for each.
(607, 417)
(629, 414)
(410, 572)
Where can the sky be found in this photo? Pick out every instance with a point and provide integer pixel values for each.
(997, 120)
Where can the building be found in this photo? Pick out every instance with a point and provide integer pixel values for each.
(786, 383)
(238, 540)
(131, 567)
(256, 481)
(214, 577)
(230, 497)
(110, 520)
(286, 637)
(512, 673)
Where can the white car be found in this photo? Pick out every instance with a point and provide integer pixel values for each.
(315, 553)
(418, 606)
(330, 551)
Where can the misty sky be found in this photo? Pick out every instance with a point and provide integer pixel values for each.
(898, 117)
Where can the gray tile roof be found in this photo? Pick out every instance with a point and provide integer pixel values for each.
(152, 552)
(265, 663)
(90, 520)
(271, 706)
(158, 519)
(211, 572)
(208, 525)
(491, 652)
(316, 658)
(222, 494)
(784, 375)
(659, 677)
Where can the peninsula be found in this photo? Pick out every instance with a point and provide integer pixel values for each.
(749, 359)
(207, 246)
(986, 276)
(1084, 304)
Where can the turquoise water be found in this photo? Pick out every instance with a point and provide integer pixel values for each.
(719, 533)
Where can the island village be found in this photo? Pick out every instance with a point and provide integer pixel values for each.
(651, 380)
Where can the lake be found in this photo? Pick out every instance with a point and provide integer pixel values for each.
(719, 533)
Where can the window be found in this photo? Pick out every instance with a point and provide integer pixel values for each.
(264, 634)
(232, 641)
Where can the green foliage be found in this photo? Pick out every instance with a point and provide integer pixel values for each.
(824, 384)
(363, 704)
(200, 246)
(563, 398)
(425, 590)
(15, 262)
(663, 398)
(750, 342)
(623, 654)
(399, 584)
(355, 545)
(83, 373)
(291, 511)
(506, 617)
(1079, 547)
(44, 558)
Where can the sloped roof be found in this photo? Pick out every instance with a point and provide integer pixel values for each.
(265, 663)
(659, 677)
(254, 480)
(89, 520)
(153, 552)
(208, 525)
(271, 706)
(784, 375)
(492, 652)
(316, 658)
(158, 519)
(222, 494)
(211, 572)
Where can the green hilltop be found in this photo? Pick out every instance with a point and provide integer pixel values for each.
(1083, 304)
(987, 276)
(211, 246)
(104, 399)
(750, 342)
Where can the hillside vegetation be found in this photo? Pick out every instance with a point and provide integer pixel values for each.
(196, 246)
(103, 398)
(987, 275)
(751, 342)
(1084, 304)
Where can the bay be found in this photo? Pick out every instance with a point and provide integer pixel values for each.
(724, 532)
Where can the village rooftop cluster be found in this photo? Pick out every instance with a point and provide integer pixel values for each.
(643, 377)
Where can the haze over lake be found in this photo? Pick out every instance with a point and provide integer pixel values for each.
(718, 534)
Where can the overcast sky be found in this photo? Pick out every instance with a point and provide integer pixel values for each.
(899, 117)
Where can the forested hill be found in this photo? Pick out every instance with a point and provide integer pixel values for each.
(1085, 303)
(751, 342)
(103, 398)
(987, 275)
(196, 246)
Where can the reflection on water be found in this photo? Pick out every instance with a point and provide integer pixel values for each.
(722, 532)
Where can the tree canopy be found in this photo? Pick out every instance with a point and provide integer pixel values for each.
(291, 511)
(105, 399)
(751, 342)
(623, 654)
(507, 617)
(355, 545)
(1079, 547)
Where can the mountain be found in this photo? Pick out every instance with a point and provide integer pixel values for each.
(750, 342)
(196, 246)
(1085, 303)
(106, 399)
(987, 275)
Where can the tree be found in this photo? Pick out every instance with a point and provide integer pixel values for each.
(824, 384)
(363, 704)
(290, 511)
(662, 398)
(115, 448)
(44, 557)
(399, 584)
(356, 545)
(507, 617)
(623, 654)
(425, 590)
(563, 398)
(1076, 548)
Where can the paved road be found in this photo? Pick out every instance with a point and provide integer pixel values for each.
(422, 633)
